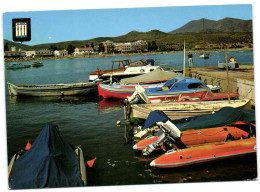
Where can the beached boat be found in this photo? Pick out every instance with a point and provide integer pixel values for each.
(51, 89)
(37, 64)
(17, 66)
(177, 110)
(50, 162)
(125, 69)
(203, 153)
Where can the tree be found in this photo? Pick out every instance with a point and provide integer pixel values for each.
(53, 47)
(87, 45)
(101, 48)
(92, 45)
(70, 49)
(154, 46)
(6, 48)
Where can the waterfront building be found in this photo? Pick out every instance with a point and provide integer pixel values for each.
(136, 46)
(108, 46)
(84, 51)
(44, 53)
(61, 53)
(14, 54)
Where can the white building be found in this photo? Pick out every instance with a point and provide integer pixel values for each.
(30, 53)
(40, 53)
(83, 51)
(136, 46)
(14, 54)
(61, 53)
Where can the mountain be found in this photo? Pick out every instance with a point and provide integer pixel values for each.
(226, 25)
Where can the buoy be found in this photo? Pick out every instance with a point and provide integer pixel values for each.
(91, 162)
(118, 122)
(28, 146)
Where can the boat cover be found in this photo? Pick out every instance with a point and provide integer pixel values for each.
(155, 75)
(224, 116)
(50, 162)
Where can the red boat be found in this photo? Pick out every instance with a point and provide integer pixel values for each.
(201, 136)
(204, 153)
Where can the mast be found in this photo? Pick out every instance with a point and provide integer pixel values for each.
(228, 87)
(184, 60)
(203, 36)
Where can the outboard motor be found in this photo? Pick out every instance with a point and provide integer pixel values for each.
(151, 61)
(170, 132)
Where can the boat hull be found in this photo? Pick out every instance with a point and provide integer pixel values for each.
(199, 136)
(204, 153)
(51, 89)
(119, 91)
(179, 110)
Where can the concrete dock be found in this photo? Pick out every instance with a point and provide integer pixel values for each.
(241, 80)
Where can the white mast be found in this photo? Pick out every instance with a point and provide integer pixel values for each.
(184, 61)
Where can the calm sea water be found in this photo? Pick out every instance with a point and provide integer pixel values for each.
(92, 124)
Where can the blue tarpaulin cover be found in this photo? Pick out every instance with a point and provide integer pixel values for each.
(50, 162)
(222, 117)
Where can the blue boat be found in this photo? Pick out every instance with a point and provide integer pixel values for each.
(173, 88)
(17, 66)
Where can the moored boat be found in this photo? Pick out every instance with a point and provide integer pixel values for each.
(178, 89)
(51, 89)
(203, 153)
(50, 162)
(196, 146)
(117, 91)
(17, 66)
(192, 137)
(126, 87)
(37, 64)
(125, 69)
(186, 109)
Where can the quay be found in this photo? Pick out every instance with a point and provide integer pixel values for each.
(241, 80)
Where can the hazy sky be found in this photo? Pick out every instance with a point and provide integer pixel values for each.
(56, 26)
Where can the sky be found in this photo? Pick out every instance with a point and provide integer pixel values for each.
(57, 26)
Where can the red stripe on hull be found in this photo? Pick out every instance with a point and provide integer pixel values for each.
(108, 94)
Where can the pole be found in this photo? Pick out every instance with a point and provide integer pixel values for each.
(227, 75)
(184, 60)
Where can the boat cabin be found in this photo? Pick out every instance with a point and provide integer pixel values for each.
(179, 84)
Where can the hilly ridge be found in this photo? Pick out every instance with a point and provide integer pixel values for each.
(228, 30)
(226, 25)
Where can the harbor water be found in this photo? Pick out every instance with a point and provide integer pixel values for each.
(91, 123)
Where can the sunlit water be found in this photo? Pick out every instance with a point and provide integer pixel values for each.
(84, 122)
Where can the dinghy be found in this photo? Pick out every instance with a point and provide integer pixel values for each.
(203, 153)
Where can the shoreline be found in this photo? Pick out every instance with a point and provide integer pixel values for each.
(114, 55)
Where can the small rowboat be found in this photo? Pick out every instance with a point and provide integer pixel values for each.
(49, 162)
(51, 89)
(179, 110)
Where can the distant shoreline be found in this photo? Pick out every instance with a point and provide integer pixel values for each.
(114, 55)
